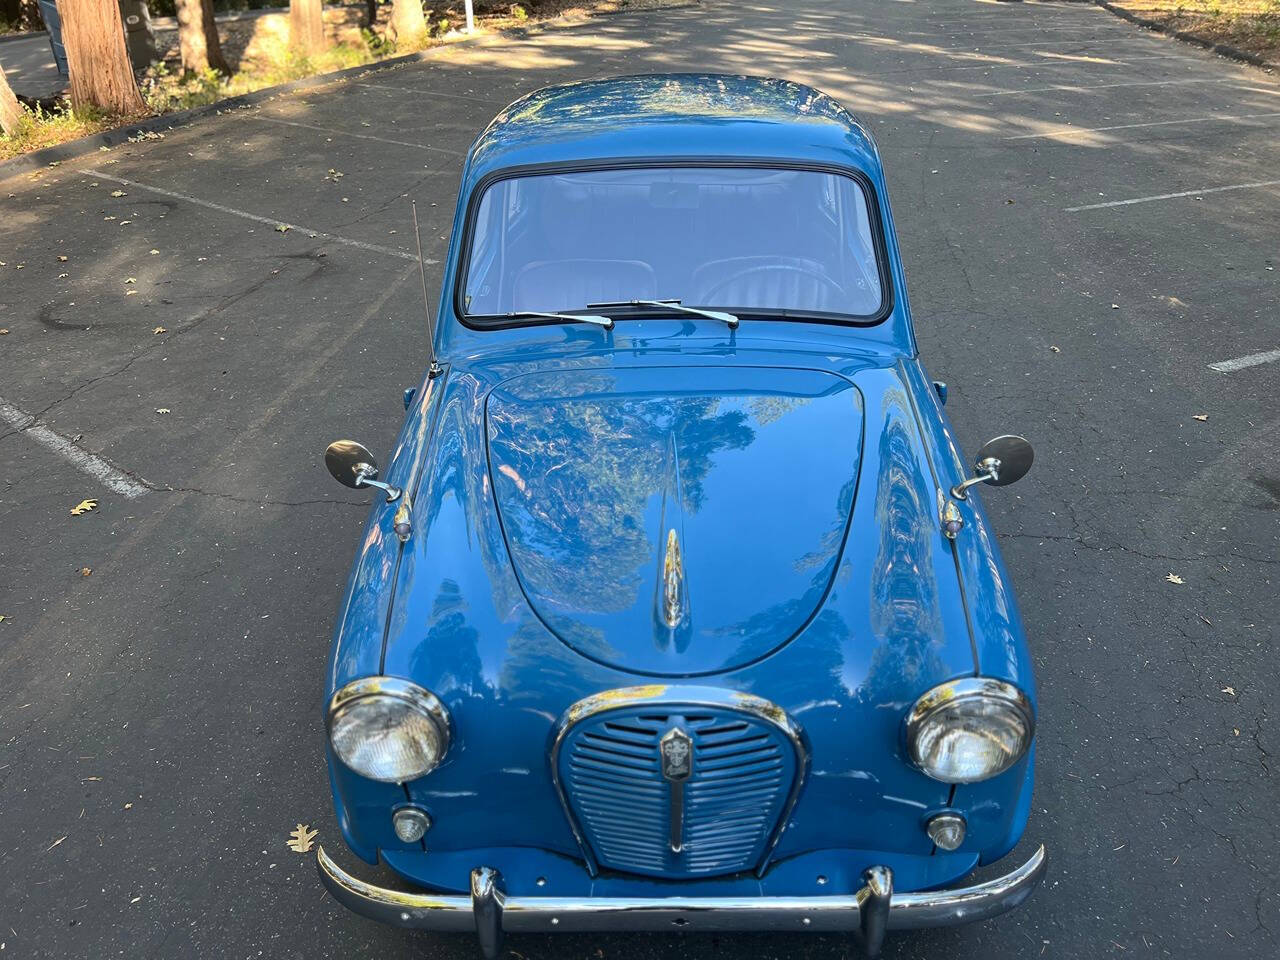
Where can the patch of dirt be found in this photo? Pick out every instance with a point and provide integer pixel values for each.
(1252, 25)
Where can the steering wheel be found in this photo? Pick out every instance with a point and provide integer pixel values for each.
(716, 293)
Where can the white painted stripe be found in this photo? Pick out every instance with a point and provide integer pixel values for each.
(1174, 196)
(1076, 131)
(1105, 86)
(1239, 363)
(101, 469)
(348, 133)
(433, 93)
(232, 211)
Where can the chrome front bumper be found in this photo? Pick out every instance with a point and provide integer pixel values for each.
(870, 912)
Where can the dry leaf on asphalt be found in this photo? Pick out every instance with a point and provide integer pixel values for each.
(154, 252)
(163, 410)
(4, 331)
(85, 571)
(130, 279)
(62, 259)
(1202, 417)
(302, 838)
(54, 844)
(1174, 578)
(282, 228)
(1228, 690)
(118, 193)
(84, 506)
(160, 330)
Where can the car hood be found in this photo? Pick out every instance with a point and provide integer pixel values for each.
(675, 522)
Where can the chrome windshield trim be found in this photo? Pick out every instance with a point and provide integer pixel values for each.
(487, 905)
(662, 696)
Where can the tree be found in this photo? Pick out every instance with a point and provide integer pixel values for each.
(407, 24)
(198, 37)
(101, 75)
(306, 26)
(10, 109)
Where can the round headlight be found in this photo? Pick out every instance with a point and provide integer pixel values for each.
(388, 729)
(970, 729)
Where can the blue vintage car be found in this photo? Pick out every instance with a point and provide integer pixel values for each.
(676, 610)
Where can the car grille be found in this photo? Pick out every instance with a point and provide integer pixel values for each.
(743, 771)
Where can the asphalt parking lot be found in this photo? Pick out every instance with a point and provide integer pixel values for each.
(1089, 216)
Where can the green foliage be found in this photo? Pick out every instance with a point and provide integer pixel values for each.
(41, 128)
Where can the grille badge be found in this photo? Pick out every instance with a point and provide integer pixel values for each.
(676, 750)
(677, 756)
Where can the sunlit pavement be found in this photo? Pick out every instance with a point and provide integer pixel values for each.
(1089, 219)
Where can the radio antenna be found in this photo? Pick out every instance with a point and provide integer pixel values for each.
(433, 371)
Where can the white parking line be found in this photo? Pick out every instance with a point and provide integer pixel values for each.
(431, 93)
(1239, 363)
(358, 244)
(348, 133)
(1174, 196)
(1077, 87)
(101, 469)
(1077, 131)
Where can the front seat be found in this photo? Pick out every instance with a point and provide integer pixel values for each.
(553, 285)
(779, 282)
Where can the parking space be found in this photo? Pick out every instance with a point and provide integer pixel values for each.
(1088, 214)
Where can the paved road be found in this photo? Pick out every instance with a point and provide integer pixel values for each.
(160, 726)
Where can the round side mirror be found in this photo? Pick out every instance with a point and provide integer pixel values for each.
(350, 463)
(1004, 460)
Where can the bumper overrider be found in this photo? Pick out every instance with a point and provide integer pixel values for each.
(869, 912)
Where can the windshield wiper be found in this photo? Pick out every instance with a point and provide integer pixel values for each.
(728, 318)
(599, 321)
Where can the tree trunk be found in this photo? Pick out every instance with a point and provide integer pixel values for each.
(10, 109)
(370, 14)
(407, 24)
(198, 37)
(306, 26)
(101, 75)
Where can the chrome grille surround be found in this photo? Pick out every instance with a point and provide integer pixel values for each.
(748, 764)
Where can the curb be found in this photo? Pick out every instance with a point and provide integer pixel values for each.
(52, 156)
(1222, 49)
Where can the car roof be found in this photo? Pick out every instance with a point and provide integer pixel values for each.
(681, 115)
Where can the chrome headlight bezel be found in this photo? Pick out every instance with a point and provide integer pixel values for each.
(953, 698)
(405, 694)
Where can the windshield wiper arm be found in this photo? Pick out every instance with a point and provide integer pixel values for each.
(676, 305)
(599, 321)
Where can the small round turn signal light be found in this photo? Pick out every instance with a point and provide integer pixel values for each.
(946, 830)
(411, 824)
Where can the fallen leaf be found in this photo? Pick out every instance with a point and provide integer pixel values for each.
(62, 259)
(163, 410)
(130, 293)
(1053, 349)
(108, 218)
(282, 228)
(128, 806)
(154, 252)
(4, 331)
(62, 276)
(54, 844)
(123, 222)
(1235, 731)
(1202, 417)
(1115, 306)
(85, 571)
(3, 619)
(300, 840)
(84, 506)
(130, 279)
(1228, 690)
(160, 330)
(1174, 578)
(118, 193)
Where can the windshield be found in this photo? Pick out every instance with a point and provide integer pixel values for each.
(737, 239)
